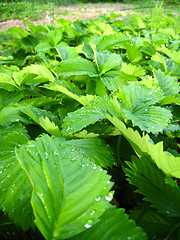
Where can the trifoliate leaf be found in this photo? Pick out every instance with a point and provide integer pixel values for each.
(136, 103)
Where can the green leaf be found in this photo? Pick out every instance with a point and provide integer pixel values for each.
(144, 145)
(43, 46)
(10, 114)
(34, 74)
(7, 98)
(108, 105)
(95, 149)
(77, 66)
(7, 82)
(60, 87)
(106, 61)
(134, 54)
(132, 70)
(154, 223)
(80, 119)
(55, 36)
(66, 52)
(15, 187)
(136, 103)
(168, 84)
(158, 188)
(62, 177)
(109, 41)
(44, 118)
(113, 80)
(113, 224)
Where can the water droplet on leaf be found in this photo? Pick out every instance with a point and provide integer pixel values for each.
(89, 224)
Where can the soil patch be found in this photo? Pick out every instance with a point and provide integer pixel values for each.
(73, 13)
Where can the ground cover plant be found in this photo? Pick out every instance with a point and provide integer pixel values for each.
(89, 129)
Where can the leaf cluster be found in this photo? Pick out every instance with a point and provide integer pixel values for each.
(89, 130)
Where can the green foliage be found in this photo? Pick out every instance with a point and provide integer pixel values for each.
(88, 109)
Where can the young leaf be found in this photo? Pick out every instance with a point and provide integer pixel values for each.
(7, 82)
(15, 187)
(34, 74)
(78, 190)
(158, 188)
(132, 70)
(113, 224)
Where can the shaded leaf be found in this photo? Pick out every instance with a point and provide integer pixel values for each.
(158, 188)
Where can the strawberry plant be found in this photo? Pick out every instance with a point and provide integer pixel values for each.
(89, 130)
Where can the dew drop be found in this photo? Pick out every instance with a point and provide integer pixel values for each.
(0, 172)
(145, 110)
(109, 197)
(152, 127)
(67, 129)
(82, 165)
(94, 167)
(100, 169)
(55, 153)
(129, 238)
(98, 198)
(89, 224)
(93, 212)
(108, 182)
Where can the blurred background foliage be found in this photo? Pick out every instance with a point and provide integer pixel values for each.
(36, 9)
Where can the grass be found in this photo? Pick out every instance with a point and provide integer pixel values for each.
(36, 9)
